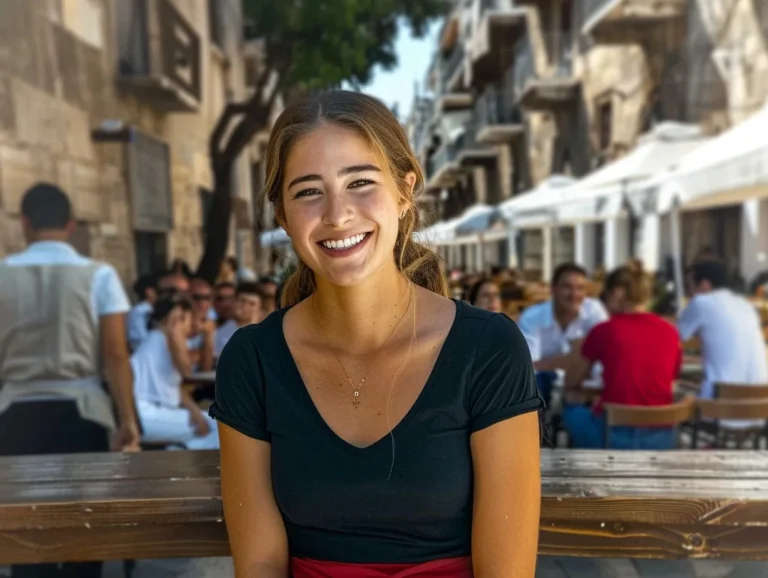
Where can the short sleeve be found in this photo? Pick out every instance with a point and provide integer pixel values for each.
(503, 383)
(688, 324)
(240, 393)
(531, 334)
(109, 294)
(593, 347)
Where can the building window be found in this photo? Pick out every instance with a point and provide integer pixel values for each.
(604, 126)
(151, 253)
(217, 23)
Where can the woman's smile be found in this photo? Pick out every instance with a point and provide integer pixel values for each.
(346, 245)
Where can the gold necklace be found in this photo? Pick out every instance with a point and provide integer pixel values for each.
(356, 390)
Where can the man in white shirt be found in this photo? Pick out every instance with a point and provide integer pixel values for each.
(138, 318)
(248, 310)
(62, 327)
(554, 328)
(728, 327)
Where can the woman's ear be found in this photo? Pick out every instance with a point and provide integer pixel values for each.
(281, 221)
(407, 202)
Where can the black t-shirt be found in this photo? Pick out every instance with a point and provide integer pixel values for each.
(341, 503)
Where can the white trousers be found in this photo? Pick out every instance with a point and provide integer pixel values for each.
(172, 424)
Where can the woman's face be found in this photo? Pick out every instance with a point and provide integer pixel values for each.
(341, 208)
(489, 298)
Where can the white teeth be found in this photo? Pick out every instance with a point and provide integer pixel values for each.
(344, 243)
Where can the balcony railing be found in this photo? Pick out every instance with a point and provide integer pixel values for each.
(443, 156)
(158, 54)
(591, 8)
(497, 106)
(451, 64)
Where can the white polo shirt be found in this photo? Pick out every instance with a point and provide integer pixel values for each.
(138, 323)
(547, 338)
(732, 344)
(155, 377)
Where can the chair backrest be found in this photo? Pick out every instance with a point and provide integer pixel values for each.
(733, 409)
(639, 416)
(734, 391)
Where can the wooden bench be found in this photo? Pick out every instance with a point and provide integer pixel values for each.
(596, 504)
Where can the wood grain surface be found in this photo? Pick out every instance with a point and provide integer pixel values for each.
(595, 503)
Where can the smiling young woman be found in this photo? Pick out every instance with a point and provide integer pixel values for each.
(372, 426)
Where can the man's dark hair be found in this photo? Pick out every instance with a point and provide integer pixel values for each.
(474, 291)
(567, 269)
(46, 207)
(143, 284)
(712, 271)
(162, 309)
(250, 288)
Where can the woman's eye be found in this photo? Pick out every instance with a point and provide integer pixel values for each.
(361, 183)
(306, 193)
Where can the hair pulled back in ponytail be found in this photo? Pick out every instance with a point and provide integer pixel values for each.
(633, 280)
(375, 123)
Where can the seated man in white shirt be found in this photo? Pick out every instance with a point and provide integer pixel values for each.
(248, 310)
(138, 318)
(166, 412)
(555, 328)
(728, 327)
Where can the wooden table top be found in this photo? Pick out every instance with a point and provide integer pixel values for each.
(595, 503)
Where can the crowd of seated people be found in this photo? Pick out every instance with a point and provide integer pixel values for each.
(609, 332)
(178, 327)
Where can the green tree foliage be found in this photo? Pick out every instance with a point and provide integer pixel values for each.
(308, 45)
(318, 44)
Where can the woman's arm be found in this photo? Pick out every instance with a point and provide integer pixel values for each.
(507, 498)
(256, 530)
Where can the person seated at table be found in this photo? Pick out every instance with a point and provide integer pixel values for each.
(200, 342)
(248, 310)
(486, 294)
(554, 327)
(166, 412)
(729, 330)
(138, 317)
(641, 357)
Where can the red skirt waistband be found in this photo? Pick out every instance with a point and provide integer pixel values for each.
(445, 568)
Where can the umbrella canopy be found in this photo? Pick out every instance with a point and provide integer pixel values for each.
(728, 169)
(275, 238)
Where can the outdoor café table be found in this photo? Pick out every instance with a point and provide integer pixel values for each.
(201, 385)
(623, 504)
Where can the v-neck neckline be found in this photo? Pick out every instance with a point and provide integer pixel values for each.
(293, 368)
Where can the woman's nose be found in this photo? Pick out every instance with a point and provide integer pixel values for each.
(337, 211)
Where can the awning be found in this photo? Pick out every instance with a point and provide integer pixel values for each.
(728, 169)
(533, 208)
(275, 238)
(474, 220)
(601, 194)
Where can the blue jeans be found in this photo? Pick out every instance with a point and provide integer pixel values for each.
(587, 431)
(545, 380)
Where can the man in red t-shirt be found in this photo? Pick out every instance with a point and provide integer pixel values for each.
(641, 357)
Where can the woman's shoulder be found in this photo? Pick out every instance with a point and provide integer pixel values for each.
(258, 338)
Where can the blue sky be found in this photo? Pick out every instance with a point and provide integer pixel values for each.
(396, 86)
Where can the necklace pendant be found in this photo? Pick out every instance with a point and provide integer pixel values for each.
(355, 401)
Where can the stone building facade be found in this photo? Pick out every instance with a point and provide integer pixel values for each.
(114, 101)
(563, 87)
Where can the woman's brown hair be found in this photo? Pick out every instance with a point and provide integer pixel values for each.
(373, 121)
(633, 279)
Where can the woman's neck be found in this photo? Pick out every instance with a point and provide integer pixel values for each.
(362, 316)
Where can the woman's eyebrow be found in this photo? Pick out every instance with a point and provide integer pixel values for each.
(343, 172)
(358, 169)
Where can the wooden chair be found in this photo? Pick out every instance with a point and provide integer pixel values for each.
(743, 391)
(732, 409)
(643, 416)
